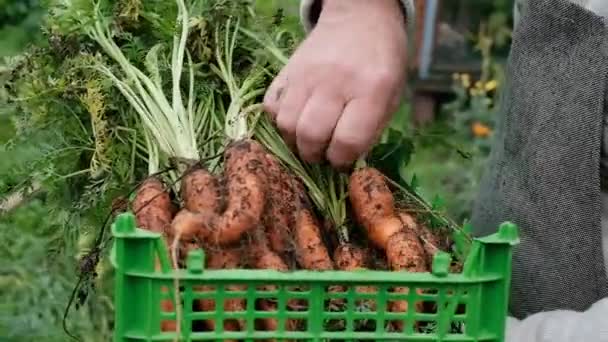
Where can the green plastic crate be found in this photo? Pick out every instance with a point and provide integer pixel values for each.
(471, 306)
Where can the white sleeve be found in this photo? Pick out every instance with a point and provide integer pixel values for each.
(600, 7)
(308, 13)
(562, 326)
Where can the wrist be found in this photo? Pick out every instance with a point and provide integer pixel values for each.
(339, 10)
(382, 9)
(400, 12)
(358, 5)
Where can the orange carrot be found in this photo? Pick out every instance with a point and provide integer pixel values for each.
(167, 306)
(231, 258)
(374, 208)
(245, 198)
(349, 257)
(430, 242)
(201, 191)
(311, 252)
(278, 218)
(154, 211)
(152, 206)
(264, 258)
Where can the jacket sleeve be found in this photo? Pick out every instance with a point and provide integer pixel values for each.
(310, 10)
(562, 326)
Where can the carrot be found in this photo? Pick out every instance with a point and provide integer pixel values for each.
(154, 211)
(184, 233)
(349, 257)
(311, 252)
(430, 242)
(404, 252)
(152, 206)
(230, 258)
(244, 207)
(201, 195)
(201, 191)
(278, 218)
(373, 205)
(245, 198)
(167, 306)
(374, 208)
(268, 259)
(264, 258)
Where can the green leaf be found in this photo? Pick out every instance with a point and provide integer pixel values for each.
(467, 227)
(414, 183)
(462, 240)
(393, 155)
(438, 203)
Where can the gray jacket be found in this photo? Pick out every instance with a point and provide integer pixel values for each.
(556, 324)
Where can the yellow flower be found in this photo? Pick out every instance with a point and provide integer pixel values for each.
(493, 84)
(466, 80)
(479, 85)
(480, 130)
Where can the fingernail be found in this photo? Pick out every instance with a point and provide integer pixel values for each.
(279, 94)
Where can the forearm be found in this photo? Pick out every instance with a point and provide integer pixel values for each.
(562, 326)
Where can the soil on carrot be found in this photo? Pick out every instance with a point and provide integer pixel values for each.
(257, 215)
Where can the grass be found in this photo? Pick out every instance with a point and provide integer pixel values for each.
(443, 170)
(6, 129)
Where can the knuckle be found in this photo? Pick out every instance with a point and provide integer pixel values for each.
(347, 71)
(337, 70)
(285, 124)
(309, 134)
(270, 106)
(382, 77)
(350, 143)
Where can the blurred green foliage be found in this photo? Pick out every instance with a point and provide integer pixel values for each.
(37, 275)
(451, 153)
(19, 25)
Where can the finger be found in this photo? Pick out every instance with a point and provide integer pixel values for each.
(292, 103)
(360, 124)
(273, 95)
(317, 123)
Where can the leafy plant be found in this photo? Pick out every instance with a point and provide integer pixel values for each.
(452, 152)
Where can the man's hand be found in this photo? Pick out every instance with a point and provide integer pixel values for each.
(339, 89)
